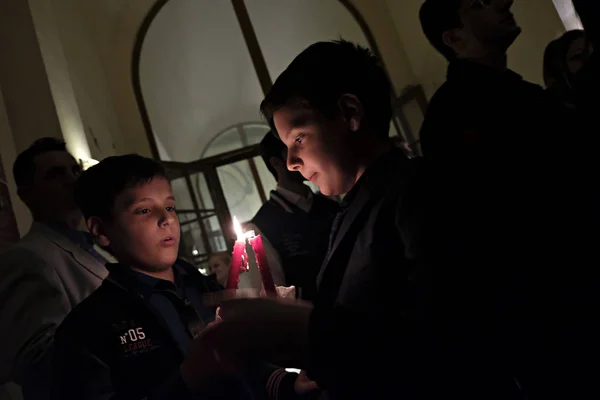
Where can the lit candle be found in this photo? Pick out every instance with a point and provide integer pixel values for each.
(263, 265)
(238, 257)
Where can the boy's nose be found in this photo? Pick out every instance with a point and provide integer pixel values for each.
(293, 162)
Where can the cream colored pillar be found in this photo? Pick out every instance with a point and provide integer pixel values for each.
(59, 78)
(23, 79)
(377, 16)
(541, 24)
(8, 153)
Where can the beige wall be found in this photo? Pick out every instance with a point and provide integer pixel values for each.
(76, 81)
(59, 77)
(111, 26)
(541, 24)
(428, 65)
(27, 107)
(98, 116)
(384, 28)
(8, 155)
(23, 79)
(538, 18)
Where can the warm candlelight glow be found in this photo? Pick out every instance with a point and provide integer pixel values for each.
(238, 230)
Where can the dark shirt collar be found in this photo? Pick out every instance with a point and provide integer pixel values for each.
(144, 284)
(462, 69)
(373, 174)
(178, 273)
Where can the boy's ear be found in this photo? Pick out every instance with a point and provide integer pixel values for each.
(452, 39)
(96, 228)
(352, 110)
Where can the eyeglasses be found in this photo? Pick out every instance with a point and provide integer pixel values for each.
(479, 4)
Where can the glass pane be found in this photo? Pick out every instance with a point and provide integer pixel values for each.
(184, 217)
(240, 190)
(191, 241)
(393, 131)
(414, 116)
(266, 177)
(299, 23)
(201, 191)
(215, 235)
(196, 75)
(312, 186)
(255, 133)
(224, 142)
(183, 199)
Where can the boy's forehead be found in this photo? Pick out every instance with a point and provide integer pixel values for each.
(290, 117)
(158, 188)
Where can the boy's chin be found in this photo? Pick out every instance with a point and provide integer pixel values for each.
(162, 265)
(157, 267)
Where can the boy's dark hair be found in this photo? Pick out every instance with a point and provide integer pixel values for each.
(98, 187)
(325, 71)
(438, 16)
(271, 146)
(24, 166)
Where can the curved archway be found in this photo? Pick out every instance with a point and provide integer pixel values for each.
(145, 27)
(135, 73)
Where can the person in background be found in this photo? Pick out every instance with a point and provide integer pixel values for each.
(132, 337)
(218, 265)
(497, 145)
(53, 268)
(295, 223)
(563, 59)
(588, 79)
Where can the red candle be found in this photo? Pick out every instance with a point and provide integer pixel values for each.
(238, 257)
(263, 265)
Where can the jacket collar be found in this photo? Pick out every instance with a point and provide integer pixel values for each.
(369, 187)
(85, 259)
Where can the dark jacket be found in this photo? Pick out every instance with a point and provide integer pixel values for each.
(480, 110)
(115, 345)
(365, 328)
(300, 238)
(512, 186)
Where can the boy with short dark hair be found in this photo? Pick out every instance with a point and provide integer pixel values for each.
(134, 337)
(331, 108)
(294, 223)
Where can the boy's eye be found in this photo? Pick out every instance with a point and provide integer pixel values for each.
(171, 209)
(299, 139)
(143, 211)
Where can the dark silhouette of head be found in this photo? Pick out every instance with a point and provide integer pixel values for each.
(45, 175)
(468, 28)
(563, 58)
(589, 13)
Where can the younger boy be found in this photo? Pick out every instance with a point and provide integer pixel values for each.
(130, 338)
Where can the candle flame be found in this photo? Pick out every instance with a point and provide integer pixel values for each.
(238, 230)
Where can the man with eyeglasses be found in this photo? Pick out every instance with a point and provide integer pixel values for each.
(511, 193)
(49, 271)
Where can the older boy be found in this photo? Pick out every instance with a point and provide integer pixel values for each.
(331, 108)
